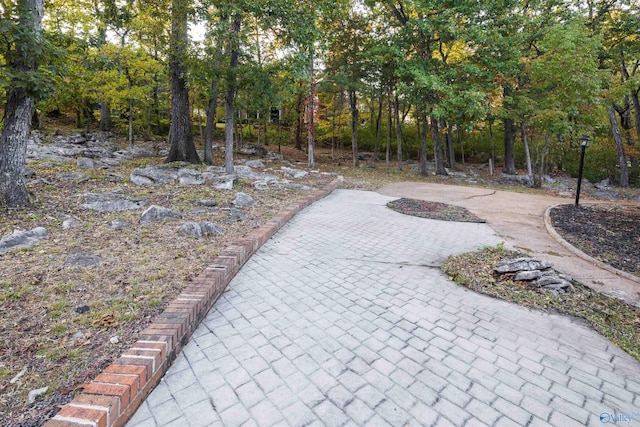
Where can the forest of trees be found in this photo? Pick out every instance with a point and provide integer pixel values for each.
(422, 80)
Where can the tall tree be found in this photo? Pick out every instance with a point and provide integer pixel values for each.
(180, 134)
(22, 61)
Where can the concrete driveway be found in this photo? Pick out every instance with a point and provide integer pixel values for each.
(519, 219)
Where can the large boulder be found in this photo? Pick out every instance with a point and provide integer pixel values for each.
(83, 259)
(198, 230)
(22, 239)
(243, 200)
(153, 175)
(190, 177)
(112, 201)
(517, 180)
(521, 264)
(294, 173)
(158, 213)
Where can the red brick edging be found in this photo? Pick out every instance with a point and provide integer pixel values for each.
(114, 395)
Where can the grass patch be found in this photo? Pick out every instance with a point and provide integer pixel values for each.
(613, 318)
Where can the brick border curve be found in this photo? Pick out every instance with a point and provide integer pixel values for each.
(116, 393)
(577, 252)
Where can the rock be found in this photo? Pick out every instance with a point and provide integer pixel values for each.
(71, 222)
(247, 173)
(34, 394)
(78, 336)
(261, 185)
(253, 150)
(85, 163)
(243, 200)
(111, 201)
(114, 340)
(72, 176)
(294, 173)
(210, 229)
(199, 230)
(274, 156)
(207, 202)
(157, 213)
(190, 177)
(118, 224)
(153, 175)
(549, 280)
(236, 215)
(215, 170)
(19, 375)
(519, 180)
(528, 275)
(255, 164)
(224, 182)
(521, 264)
(83, 259)
(28, 172)
(115, 177)
(22, 239)
(82, 309)
(605, 184)
(191, 229)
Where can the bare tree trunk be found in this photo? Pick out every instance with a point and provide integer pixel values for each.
(211, 120)
(451, 153)
(398, 130)
(437, 147)
(180, 135)
(311, 125)
(299, 122)
(389, 127)
(423, 139)
(353, 101)
(231, 96)
(378, 121)
(527, 153)
(509, 141)
(105, 117)
(636, 107)
(130, 122)
(617, 137)
(19, 109)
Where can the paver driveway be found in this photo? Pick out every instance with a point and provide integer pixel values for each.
(343, 318)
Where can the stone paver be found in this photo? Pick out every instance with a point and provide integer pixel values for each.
(343, 318)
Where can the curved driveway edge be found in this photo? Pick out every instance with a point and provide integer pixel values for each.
(115, 394)
(344, 318)
(519, 219)
(577, 252)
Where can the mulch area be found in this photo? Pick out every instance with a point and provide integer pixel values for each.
(609, 233)
(433, 210)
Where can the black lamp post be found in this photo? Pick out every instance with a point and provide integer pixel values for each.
(585, 142)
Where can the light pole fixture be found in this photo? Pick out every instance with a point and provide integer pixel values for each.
(585, 140)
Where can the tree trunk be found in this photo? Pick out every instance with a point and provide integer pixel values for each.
(389, 128)
(423, 147)
(299, 122)
(105, 117)
(311, 120)
(617, 137)
(398, 130)
(130, 122)
(211, 120)
(19, 109)
(353, 102)
(229, 106)
(525, 141)
(636, 107)
(180, 134)
(378, 121)
(451, 153)
(437, 147)
(509, 141)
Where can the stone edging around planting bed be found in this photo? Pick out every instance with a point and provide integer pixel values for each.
(577, 252)
(114, 395)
